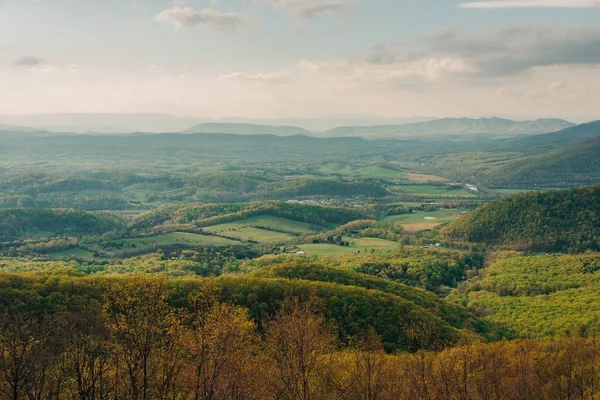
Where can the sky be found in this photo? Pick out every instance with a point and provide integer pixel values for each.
(301, 58)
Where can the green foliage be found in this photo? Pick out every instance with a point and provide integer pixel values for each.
(16, 224)
(551, 221)
(574, 166)
(455, 315)
(402, 324)
(539, 296)
(214, 214)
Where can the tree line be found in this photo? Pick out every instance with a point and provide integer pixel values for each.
(133, 345)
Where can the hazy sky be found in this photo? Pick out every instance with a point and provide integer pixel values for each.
(294, 58)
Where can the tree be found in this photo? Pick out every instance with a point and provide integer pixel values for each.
(298, 344)
(27, 354)
(219, 346)
(144, 331)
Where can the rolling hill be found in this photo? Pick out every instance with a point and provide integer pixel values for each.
(554, 140)
(247, 129)
(576, 165)
(456, 127)
(565, 221)
(19, 223)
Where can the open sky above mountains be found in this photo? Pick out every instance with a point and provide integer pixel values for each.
(279, 58)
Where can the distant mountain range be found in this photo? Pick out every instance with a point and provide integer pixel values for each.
(456, 127)
(14, 128)
(165, 123)
(368, 127)
(247, 129)
(554, 140)
(496, 127)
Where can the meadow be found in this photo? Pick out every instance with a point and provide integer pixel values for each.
(144, 244)
(422, 220)
(362, 245)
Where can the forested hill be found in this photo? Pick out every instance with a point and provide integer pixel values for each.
(16, 224)
(247, 129)
(576, 165)
(211, 214)
(456, 126)
(567, 221)
(556, 140)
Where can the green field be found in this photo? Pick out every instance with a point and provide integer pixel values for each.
(372, 171)
(364, 245)
(76, 252)
(135, 245)
(373, 243)
(251, 234)
(434, 190)
(439, 216)
(251, 229)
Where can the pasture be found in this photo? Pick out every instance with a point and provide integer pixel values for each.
(364, 245)
(423, 220)
(262, 229)
(370, 171)
(137, 245)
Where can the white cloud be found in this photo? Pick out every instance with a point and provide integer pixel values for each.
(181, 17)
(533, 4)
(312, 8)
(273, 78)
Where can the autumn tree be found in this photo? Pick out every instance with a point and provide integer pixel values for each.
(143, 329)
(298, 343)
(219, 345)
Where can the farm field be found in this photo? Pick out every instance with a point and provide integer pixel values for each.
(415, 177)
(373, 171)
(250, 234)
(265, 221)
(425, 219)
(373, 243)
(134, 245)
(76, 252)
(434, 190)
(361, 244)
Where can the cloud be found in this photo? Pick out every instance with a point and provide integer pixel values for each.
(401, 74)
(29, 61)
(181, 17)
(273, 78)
(533, 4)
(521, 49)
(312, 8)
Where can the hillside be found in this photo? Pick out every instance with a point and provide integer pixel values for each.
(16, 224)
(247, 129)
(551, 221)
(213, 214)
(539, 296)
(13, 128)
(456, 126)
(452, 314)
(577, 165)
(555, 140)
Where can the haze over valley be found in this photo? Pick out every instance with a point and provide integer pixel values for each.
(299, 199)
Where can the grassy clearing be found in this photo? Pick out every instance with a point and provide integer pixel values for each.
(135, 245)
(76, 252)
(364, 245)
(373, 171)
(426, 178)
(265, 221)
(434, 190)
(422, 220)
(250, 234)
